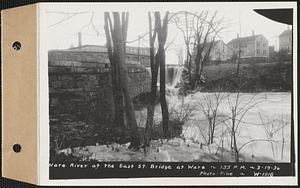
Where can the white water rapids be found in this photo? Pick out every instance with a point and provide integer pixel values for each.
(274, 106)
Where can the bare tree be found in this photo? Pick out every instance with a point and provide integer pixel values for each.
(179, 54)
(181, 21)
(160, 57)
(114, 62)
(233, 121)
(206, 31)
(199, 33)
(154, 73)
(272, 128)
(209, 105)
(116, 35)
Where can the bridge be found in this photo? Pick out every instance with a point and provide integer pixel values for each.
(80, 84)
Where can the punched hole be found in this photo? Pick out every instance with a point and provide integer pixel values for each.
(16, 45)
(17, 148)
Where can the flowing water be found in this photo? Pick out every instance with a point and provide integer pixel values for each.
(268, 112)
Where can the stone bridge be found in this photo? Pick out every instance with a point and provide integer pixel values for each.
(80, 85)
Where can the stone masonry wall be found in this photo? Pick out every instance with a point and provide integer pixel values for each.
(83, 88)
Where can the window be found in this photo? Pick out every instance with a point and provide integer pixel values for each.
(244, 45)
(265, 52)
(257, 51)
(265, 44)
(258, 44)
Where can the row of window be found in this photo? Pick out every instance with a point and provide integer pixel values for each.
(259, 43)
(132, 50)
(135, 50)
(259, 52)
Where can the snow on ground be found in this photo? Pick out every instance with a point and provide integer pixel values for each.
(191, 147)
(175, 150)
(274, 106)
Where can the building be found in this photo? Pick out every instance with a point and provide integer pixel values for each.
(134, 55)
(251, 46)
(285, 40)
(218, 51)
(272, 53)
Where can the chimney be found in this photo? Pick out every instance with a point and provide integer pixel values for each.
(252, 32)
(79, 39)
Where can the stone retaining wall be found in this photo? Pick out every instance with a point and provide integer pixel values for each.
(83, 88)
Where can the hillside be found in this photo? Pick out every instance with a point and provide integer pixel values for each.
(257, 77)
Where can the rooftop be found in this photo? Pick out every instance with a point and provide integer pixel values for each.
(99, 48)
(286, 32)
(243, 39)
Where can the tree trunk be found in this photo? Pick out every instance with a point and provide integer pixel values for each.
(163, 102)
(162, 31)
(154, 73)
(236, 152)
(197, 70)
(118, 36)
(150, 109)
(190, 67)
(118, 110)
(238, 61)
(120, 47)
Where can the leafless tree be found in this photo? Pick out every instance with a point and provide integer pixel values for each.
(116, 35)
(209, 105)
(154, 73)
(272, 128)
(233, 121)
(199, 33)
(160, 57)
(181, 20)
(157, 62)
(179, 53)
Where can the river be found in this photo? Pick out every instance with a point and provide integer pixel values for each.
(265, 119)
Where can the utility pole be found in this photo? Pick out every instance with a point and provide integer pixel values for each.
(239, 51)
(79, 39)
(139, 38)
(238, 59)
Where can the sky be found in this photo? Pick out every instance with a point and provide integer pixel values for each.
(65, 20)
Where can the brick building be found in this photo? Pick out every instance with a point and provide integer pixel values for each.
(139, 55)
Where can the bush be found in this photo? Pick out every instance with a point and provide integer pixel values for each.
(175, 130)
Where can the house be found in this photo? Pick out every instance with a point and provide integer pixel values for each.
(251, 46)
(285, 40)
(218, 51)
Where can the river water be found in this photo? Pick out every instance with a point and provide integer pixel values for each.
(264, 118)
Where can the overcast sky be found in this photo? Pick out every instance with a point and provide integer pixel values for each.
(65, 20)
